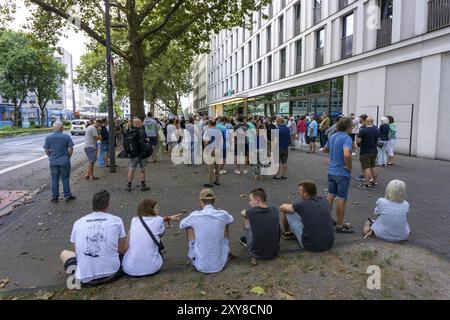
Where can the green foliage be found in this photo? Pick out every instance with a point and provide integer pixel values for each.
(6, 129)
(67, 123)
(103, 106)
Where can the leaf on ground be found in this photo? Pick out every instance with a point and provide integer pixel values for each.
(285, 296)
(243, 195)
(4, 282)
(258, 290)
(44, 295)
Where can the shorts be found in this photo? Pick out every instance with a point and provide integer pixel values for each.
(368, 160)
(312, 139)
(353, 136)
(296, 225)
(137, 161)
(193, 256)
(96, 282)
(153, 141)
(339, 186)
(249, 241)
(91, 154)
(284, 154)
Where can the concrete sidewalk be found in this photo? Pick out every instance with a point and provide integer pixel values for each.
(30, 244)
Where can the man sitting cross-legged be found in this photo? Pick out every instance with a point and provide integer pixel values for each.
(208, 233)
(310, 219)
(262, 231)
(98, 237)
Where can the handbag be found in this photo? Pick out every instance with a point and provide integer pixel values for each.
(158, 244)
(380, 143)
(161, 135)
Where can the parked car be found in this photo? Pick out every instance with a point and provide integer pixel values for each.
(79, 126)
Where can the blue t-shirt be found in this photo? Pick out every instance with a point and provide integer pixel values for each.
(284, 137)
(314, 126)
(337, 143)
(58, 144)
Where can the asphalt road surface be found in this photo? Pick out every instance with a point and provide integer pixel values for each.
(24, 165)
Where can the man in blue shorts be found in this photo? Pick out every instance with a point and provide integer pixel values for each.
(340, 147)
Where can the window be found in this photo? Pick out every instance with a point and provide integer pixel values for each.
(258, 46)
(237, 82)
(259, 73)
(384, 32)
(317, 11)
(270, 13)
(250, 77)
(242, 57)
(283, 4)
(250, 51)
(269, 69)
(298, 56)
(280, 30)
(347, 36)
(297, 12)
(232, 43)
(320, 43)
(283, 63)
(269, 38)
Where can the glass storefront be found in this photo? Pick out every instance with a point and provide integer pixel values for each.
(316, 98)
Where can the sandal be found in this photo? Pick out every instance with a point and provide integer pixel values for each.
(95, 178)
(343, 229)
(288, 236)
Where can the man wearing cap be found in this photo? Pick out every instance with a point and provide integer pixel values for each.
(207, 232)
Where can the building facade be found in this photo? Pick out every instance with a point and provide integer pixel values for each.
(199, 84)
(379, 57)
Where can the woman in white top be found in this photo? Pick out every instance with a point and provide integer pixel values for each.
(142, 257)
(392, 211)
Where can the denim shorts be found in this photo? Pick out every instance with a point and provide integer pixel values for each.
(339, 186)
(91, 154)
(138, 162)
(296, 225)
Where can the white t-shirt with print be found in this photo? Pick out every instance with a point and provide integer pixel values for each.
(142, 257)
(210, 247)
(96, 238)
(90, 137)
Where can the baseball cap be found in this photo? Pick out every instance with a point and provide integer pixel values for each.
(207, 194)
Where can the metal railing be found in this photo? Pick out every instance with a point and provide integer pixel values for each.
(343, 4)
(319, 57)
(384, 33)
(438, 14)
(317, 14)
(347, 47)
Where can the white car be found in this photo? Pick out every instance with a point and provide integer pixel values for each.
(79, 126)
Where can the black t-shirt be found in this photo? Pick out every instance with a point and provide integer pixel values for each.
(318, 233)
(265, 228)
(369, 138)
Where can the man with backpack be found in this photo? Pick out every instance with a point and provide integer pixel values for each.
(138, 148)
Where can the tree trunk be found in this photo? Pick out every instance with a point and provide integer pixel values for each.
(136, 88)
(43, 122)
(17, 115)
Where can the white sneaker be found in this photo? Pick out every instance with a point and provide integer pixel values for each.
(245, 171)
(222, 172)
(237, 172)
(353, 154)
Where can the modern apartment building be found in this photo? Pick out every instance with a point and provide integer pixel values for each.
(379, 57)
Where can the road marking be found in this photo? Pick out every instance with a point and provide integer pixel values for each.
(29, 162)
(22, 143)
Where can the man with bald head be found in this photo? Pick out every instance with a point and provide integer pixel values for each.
(59, 149)
(138, 157)
(367, 140)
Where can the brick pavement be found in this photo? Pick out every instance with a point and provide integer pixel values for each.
(30, 244)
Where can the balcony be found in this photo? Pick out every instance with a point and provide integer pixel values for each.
(438, 14)
(319, 57)
(343, 4)
(317, 14)
(384, 33)
(347, 47)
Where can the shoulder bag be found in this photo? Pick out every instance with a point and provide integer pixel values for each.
(158, 244)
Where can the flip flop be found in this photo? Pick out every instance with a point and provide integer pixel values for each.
(344, 230)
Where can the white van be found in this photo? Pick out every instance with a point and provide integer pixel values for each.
(79, 126)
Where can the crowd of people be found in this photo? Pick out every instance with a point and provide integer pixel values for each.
(104, 251)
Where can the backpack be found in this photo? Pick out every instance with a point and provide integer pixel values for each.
(147, 150)
(131, 144)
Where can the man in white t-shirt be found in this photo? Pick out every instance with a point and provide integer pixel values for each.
(208, 232)
(91, 137)
(98, 237)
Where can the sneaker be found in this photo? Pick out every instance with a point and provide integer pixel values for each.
(144, 187)
(245, 172)
(354, 154)
(374, 184)
(71, 198)
(360, 178)
(283, 178)
(207, 185)
(243, 241)
(54, 200)
(128, 188)
(217, 183)
(364, 187)
(222, 172)
(237, 172)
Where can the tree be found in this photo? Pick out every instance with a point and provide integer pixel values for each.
(103, 106)
(18, 66)
(49, 77)
(142, 29)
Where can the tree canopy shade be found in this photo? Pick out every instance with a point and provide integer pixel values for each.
(142, 29)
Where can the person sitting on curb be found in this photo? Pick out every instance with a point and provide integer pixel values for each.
(310, 220)
(262, 231)
(392, 212)
(143, 244)
(99, 238)
(208, 233)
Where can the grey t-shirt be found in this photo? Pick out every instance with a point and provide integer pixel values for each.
(318, 233)
(264, 225)
(151, 127)
(90, 137)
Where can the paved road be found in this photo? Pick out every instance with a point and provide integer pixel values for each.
(23, 164)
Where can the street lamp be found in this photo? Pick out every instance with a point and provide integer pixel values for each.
(112, 137)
